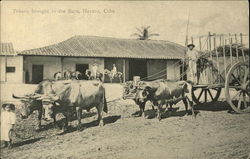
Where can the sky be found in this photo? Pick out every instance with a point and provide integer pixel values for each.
(36, 24)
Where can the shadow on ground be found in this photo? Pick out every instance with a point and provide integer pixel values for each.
(216, 106)
(151, 114)
(26, 142)
(72, 118)
(106, 120)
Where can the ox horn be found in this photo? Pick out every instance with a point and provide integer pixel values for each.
(19, 97)
(51, 97)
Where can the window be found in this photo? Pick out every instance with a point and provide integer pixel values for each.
(10, 69)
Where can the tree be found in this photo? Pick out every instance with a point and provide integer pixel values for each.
(143, 33)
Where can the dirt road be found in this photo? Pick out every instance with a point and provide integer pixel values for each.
(214, 133)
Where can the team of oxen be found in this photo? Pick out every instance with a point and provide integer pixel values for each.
(76, 75)
(67, 97)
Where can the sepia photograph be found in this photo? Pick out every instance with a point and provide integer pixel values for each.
(124, 80)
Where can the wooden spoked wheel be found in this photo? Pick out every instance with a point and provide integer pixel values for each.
(237, 87)
(202, 95)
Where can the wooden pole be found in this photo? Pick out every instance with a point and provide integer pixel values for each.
(224, 56)
(62, 65)
(200, 43)
(207, 44)
(5, 68)
(192, 40)
(236, 47)
(217, 57)
(124, 70)
(230, 47)
(220, 40)
(242, 49)
(210, 46)
(209, 40)
(210, 77)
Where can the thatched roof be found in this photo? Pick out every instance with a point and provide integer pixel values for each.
(92, 46)
(7, 49)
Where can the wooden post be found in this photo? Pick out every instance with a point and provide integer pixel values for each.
(217, 57)
(230, 47)
(242, 49)
(124, 70)
(62, 65)
(5, 68)
(210, 46)
(207, 44)
(224, 56)
(220, 40)
(209, 40)
(200, 43)
(236, 47)
(192, 40)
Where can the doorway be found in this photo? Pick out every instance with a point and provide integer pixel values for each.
(137, 68)
(82, 69)
(37, 74)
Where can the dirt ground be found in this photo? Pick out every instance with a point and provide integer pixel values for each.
(215, 133)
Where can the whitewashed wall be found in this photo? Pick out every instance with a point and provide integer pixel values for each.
(54, 64)
(173, 70)
(51, 65)
(12, 61)
(69, 63)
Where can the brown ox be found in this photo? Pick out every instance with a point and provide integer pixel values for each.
(67, 95)
(165, 92)
(77, 94)
(130, 91)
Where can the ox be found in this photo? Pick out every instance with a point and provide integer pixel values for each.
(166, 92)
(65, 96)
(130, 91)
(74, 95)
(72, 75)
(30, 103)
(58, 75)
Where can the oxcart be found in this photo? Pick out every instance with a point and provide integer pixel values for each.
(224, 63)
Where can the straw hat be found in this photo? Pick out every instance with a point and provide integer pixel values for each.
(12, 106)
(190, 45)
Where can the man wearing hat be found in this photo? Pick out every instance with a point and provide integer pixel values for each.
(192, 57)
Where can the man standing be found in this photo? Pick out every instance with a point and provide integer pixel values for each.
(192, 57)
(114, 71)
(94, 70)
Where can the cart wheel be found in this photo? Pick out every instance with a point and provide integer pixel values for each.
(237, 87)
(202, 95)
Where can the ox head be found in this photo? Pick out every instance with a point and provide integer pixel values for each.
(128, 90)
(143, 92)
(49, 102)
(29, 104)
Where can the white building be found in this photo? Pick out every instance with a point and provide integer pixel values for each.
(11, 68)
(149, 59)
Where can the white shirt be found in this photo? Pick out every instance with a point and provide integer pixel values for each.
(8, 117)
(192, 55)
(94, 68)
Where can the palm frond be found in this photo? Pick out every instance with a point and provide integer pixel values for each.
(154, 35)
(147, 27)
(139, 30)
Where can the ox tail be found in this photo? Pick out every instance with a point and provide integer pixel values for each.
(105, 106)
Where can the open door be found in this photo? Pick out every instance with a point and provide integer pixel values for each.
(82, 69)
(37, 74)
(137, 68)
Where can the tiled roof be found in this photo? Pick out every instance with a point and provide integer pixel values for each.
(92, 46)
(7, 49)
